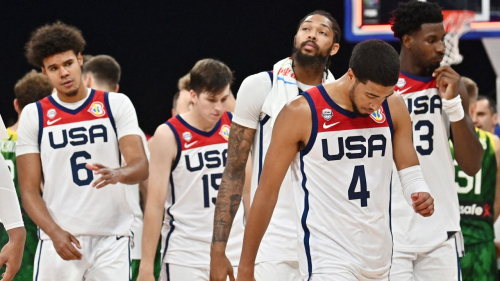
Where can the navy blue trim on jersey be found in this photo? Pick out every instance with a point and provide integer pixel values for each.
(40, 123)
(424, 79)
(112, 120)
(200, 132)
(73, 111)
(172, 226)
(261, 143)
(39, 258)
(230, 115)
(110, 114)
(179, 148)
(129, 261)
(385, 106)
(303, 222)
(458, 261)
(335, 106)
(271, 74)
(168, 271)
(314, 119)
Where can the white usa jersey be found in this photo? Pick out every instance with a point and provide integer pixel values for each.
(412, 232)
(194, 182)
(68, 139)
(279, 241)
(342, 182)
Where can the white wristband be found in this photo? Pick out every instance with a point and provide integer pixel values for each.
(412, 181)
(454, 108)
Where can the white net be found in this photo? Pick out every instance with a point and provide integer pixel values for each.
(456, 23)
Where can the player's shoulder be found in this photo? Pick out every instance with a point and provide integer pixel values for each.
(164, 132)
(264, 77)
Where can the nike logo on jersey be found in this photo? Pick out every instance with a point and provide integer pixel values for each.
(328, 126)
(189, 145)
(50, 122)
(401, 92)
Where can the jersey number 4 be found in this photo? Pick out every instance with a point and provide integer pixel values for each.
(359, 176)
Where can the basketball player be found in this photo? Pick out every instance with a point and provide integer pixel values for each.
(10, 214)
(484, 114)
(315, 42)
(31, 88)
(428, 248)
(479, 204)
(103, 73)
(182, 99)
(74, 139)
(346, 131)
(193, 147)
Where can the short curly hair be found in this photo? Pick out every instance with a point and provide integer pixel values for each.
(410, 16)
(52, 39)
(32, 87)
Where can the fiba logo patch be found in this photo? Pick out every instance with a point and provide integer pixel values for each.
(401, 83)
(378, 116)
(224, 132)
(97, 109)
(327, 114)
(187, 136)
(51, 113)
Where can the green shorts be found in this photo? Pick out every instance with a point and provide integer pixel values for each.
(480, 262)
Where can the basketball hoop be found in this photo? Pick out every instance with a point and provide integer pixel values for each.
(456, 23)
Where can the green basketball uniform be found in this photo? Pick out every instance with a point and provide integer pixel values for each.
(477, 197)
(8, 150)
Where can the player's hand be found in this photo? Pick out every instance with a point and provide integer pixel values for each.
(447, 81)
(108, 175)
(423, 203)
(12, 252)
(65, 243)
(220, 268)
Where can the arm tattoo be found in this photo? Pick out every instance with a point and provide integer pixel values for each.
(233, 178)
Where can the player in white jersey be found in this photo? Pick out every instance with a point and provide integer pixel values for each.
(10, 214)
(428, 248)
(316, 41)
(188, 155)
(74, 139)
(342, 138)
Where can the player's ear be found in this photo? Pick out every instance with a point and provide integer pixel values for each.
(16, 106)
(79, 57)
(194, 96)
(407, 41)
(87, 78)
(335, 49)
(117, 87)
(495, 118)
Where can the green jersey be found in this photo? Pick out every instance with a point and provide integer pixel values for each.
(8, 150)
(477, 194)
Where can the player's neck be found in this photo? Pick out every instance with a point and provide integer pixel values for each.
(195, 119)
(16, 125)
(308, 75)
(410, 65)
(80, 95)
(338, 91)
